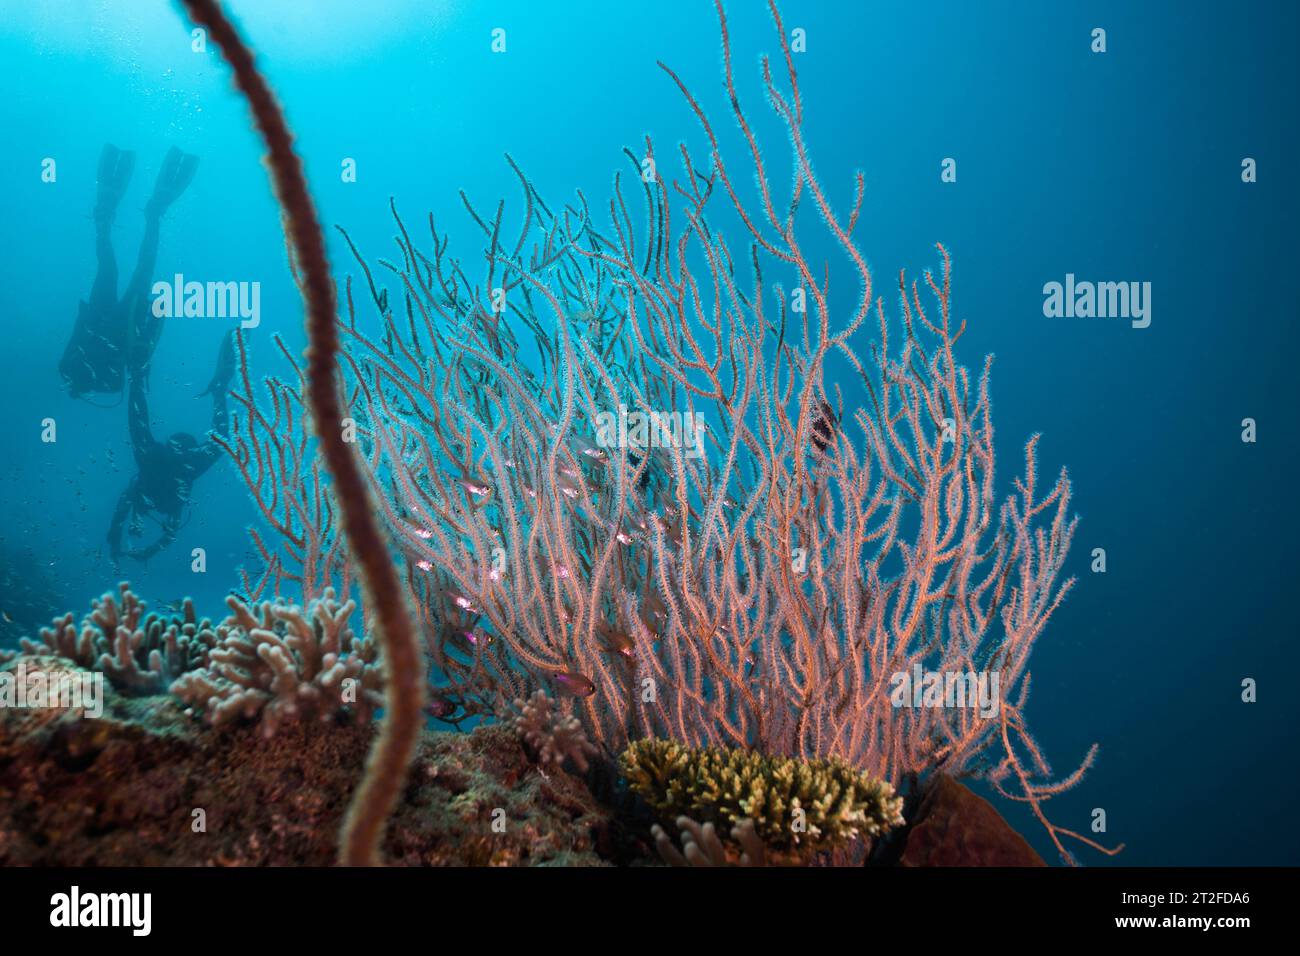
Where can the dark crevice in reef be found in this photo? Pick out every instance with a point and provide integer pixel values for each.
(888, 850)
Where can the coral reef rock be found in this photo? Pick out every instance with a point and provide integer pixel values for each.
(956, 827)
(147, 785)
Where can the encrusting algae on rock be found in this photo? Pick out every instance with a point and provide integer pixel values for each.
(147, 785)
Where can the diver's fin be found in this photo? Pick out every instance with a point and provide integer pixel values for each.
(115, 169)
(175, 175)
(225, 367)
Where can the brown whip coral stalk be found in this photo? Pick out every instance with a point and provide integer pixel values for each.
(404, 678)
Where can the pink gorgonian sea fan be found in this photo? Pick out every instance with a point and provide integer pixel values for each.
(651, 463)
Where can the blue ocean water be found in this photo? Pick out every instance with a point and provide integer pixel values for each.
(1116, 166)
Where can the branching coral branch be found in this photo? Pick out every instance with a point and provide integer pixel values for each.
(553, 735)
(278, 662)
(139, 652)
(275, 455)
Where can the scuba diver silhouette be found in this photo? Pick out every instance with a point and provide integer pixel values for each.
(107, 328)
(167, 469)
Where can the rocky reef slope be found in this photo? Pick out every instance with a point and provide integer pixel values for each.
(145, 784)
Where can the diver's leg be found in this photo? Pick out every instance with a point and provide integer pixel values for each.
(146, 331)
(225, 369)
(145, 259)
(211, 451)
(116, 526)
(103, 294)
(176, 172)
(146, 328)
(143, 328)
(93, 358)
(115, 169)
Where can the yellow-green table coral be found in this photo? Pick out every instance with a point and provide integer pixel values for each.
(794, 804)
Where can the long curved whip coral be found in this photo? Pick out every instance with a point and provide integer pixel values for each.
(381, 786)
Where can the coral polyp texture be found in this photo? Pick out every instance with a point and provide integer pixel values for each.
(793, 804)
(139, 652)
(277, 661)
(553, 735)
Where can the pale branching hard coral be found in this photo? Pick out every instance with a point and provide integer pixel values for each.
(139, 653)
(281, 662)
(701, 846)
(796, 806)
(553, 736)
